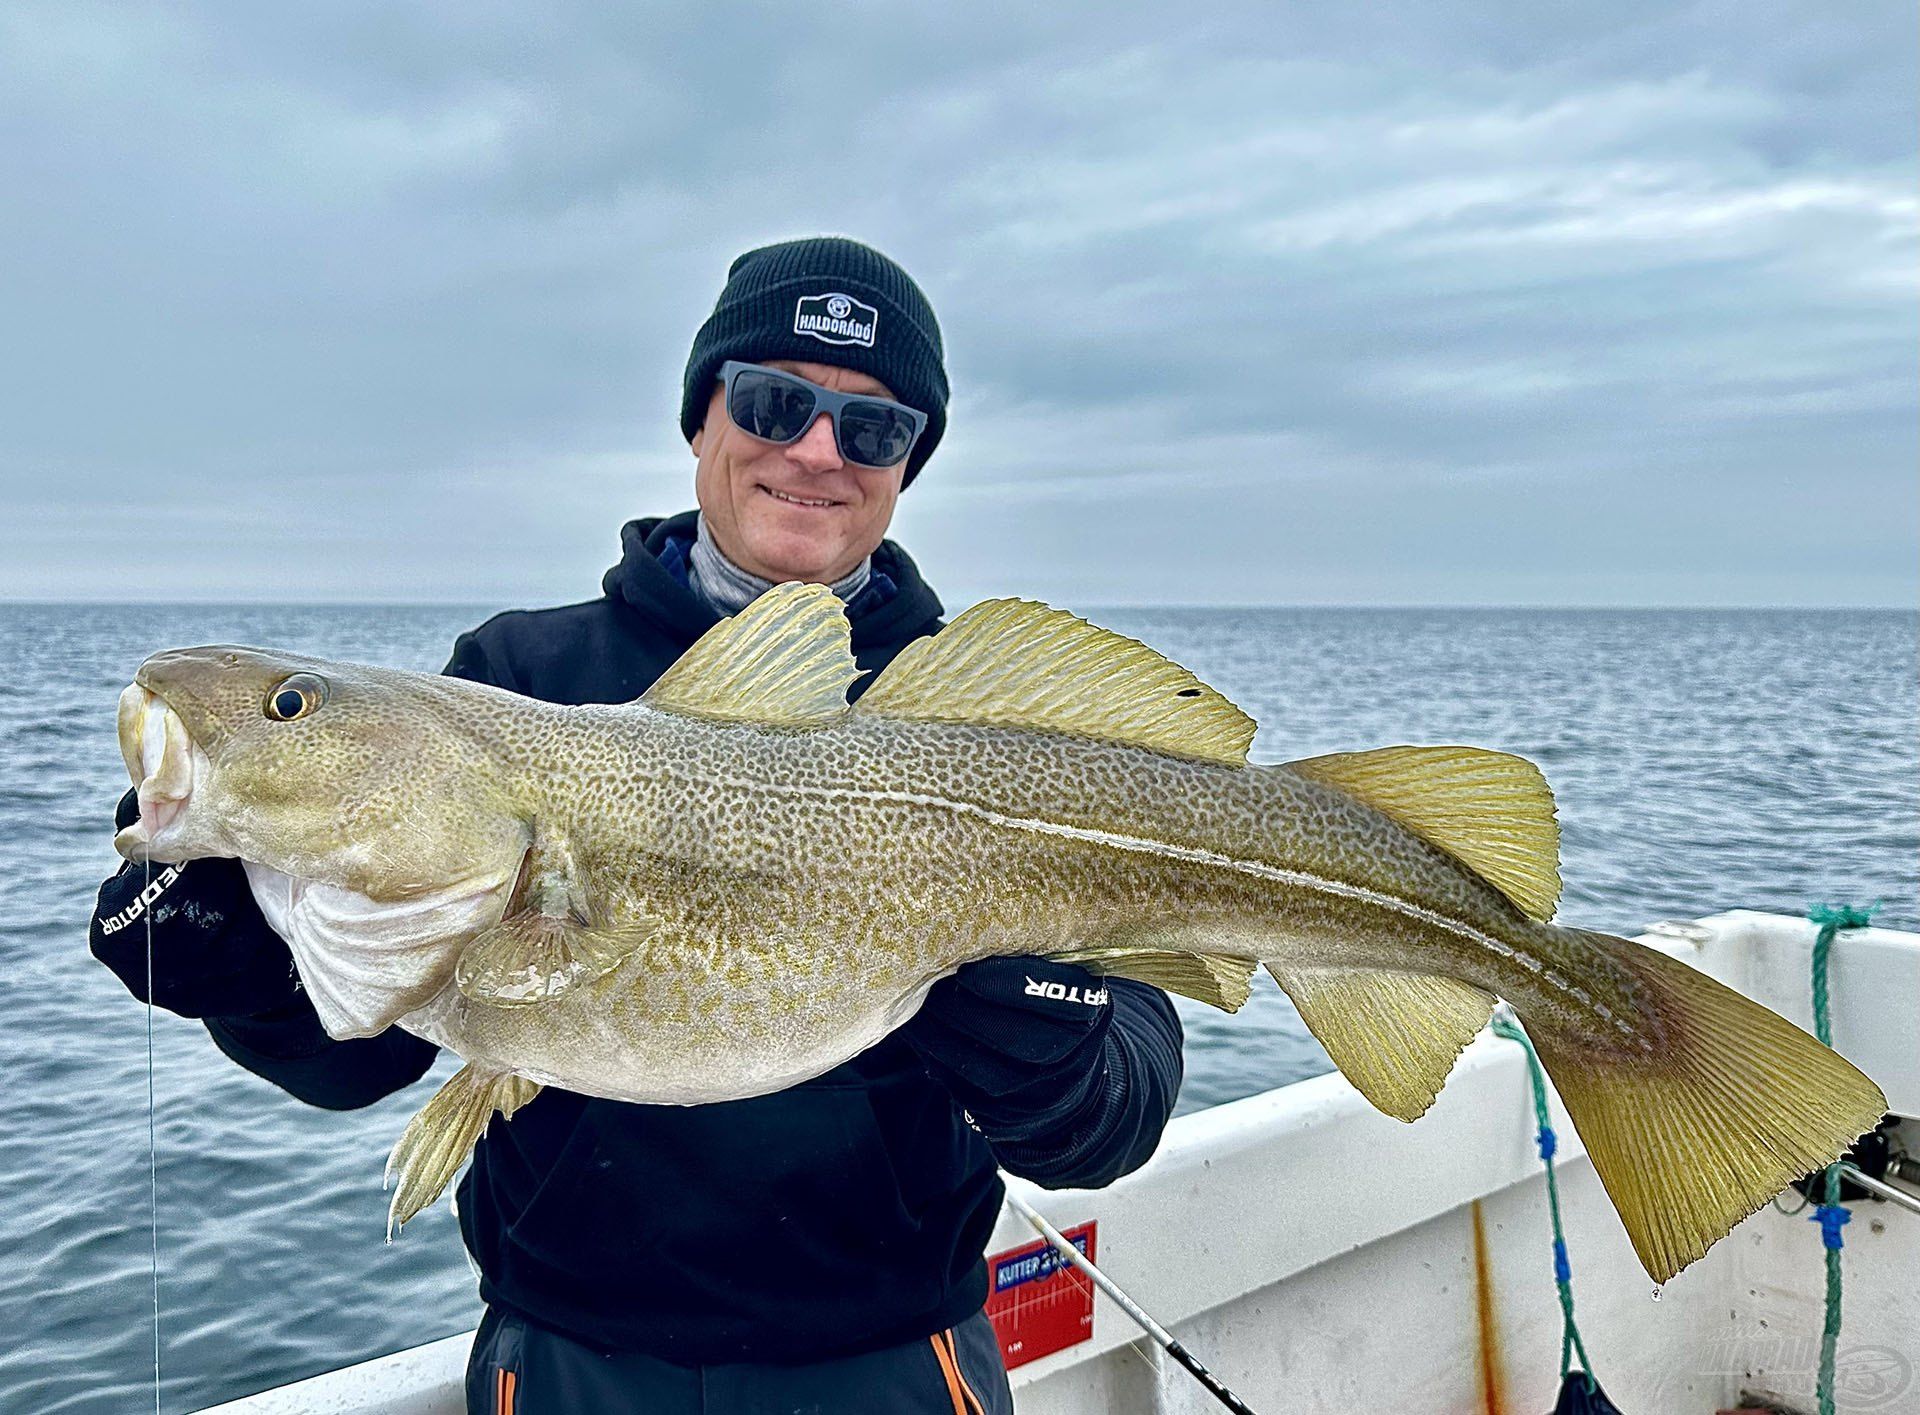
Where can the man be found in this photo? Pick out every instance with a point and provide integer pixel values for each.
(815, 1250)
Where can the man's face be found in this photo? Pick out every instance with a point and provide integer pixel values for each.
(798, 512)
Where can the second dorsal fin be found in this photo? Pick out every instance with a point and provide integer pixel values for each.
(1491, 811)
(784, 661)
(1016, 663)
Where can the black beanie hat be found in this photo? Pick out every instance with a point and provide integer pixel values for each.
(825, 300)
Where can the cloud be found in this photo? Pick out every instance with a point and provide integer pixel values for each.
(1479, 303)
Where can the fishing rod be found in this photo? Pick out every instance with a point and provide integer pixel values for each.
(1161, 1336)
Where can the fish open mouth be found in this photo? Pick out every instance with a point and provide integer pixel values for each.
(161, 759)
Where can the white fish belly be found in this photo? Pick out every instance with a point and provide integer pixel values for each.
(593, 1044)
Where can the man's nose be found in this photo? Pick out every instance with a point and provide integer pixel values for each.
(817, 450)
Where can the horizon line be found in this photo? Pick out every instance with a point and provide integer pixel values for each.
(7, 601)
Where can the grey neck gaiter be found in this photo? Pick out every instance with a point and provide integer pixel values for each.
(727, 589)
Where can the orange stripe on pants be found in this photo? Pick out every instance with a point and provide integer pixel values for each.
(944, 1343)
(951, 1370)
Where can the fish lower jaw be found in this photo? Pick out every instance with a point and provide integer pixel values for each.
(165, 764)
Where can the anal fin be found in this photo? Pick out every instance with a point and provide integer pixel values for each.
(438, 1140)
(1216, 979)
(1395, 1036)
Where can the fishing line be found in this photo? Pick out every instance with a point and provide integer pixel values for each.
(153, 1153)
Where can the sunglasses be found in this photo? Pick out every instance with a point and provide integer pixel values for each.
(779, 407)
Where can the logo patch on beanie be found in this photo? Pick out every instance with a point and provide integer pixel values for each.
(836, 319)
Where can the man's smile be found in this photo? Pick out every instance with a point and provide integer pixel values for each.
(795, 499)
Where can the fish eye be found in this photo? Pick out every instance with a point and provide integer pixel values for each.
(295, 697)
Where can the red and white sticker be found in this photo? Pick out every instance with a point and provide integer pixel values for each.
(1038, 1302)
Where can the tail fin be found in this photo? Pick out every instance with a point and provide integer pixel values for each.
(1730, 1104)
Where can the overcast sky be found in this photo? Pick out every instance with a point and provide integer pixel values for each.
(1396, 303)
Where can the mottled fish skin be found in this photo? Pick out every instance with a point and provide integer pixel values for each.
(814, 883)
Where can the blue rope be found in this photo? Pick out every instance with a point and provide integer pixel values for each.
(1504, 1025)
(1830, 1214)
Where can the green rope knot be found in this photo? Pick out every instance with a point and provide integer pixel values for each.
(1842, 916)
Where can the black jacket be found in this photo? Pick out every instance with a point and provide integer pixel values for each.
(844, 1214)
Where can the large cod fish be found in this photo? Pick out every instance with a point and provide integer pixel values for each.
(738, 881)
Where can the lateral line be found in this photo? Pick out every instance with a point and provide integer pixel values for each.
(1148, 845)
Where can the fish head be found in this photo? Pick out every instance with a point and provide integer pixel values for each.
(382, 782)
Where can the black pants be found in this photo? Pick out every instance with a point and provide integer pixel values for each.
(520, 1369)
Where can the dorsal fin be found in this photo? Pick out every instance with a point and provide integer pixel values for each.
(1491, 811)
(1016, 663)
(784, 661)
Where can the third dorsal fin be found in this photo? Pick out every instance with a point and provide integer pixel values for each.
(784, 661)
(1016, 663)
(1491, 811)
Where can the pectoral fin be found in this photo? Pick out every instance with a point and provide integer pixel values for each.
(533, 957)
(1395, 1036)
(549, 941)
(438, 1140)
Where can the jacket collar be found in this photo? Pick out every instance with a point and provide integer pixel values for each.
(645, 583)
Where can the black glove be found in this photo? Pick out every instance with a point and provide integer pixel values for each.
(214, 954)
(1019, 1042)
